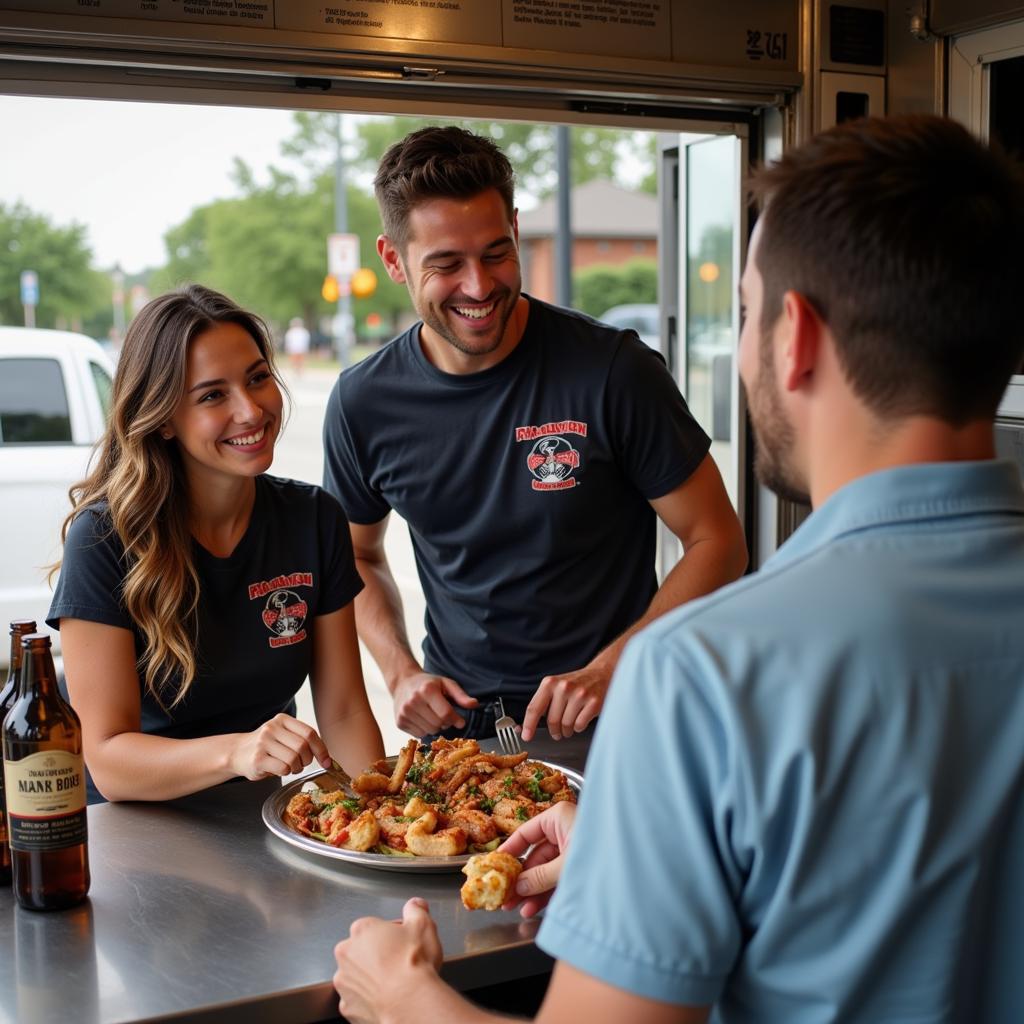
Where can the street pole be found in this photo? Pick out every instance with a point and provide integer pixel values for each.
(343, 321)
(563, 230)
(117, 276)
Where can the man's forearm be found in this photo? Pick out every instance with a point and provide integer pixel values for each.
(705, 566)
(380, 622)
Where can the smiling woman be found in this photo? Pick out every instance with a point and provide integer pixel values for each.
(198, 592)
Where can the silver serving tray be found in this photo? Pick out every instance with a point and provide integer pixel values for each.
(273, 817)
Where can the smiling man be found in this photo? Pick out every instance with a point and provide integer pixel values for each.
(530, 449)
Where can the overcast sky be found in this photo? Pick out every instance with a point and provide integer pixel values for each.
(129, 171)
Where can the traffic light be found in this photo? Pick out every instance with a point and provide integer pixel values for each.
(364, 283)
(330, 288)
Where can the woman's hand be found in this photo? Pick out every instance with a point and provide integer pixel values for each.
(282, 746)
(548, 835)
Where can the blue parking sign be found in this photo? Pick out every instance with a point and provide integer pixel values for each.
(29, 288)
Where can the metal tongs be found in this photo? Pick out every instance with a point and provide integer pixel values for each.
(338, 776)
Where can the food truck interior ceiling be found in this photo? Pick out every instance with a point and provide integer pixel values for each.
(693, 67)
(698, 58)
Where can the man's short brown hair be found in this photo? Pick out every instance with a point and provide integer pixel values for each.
(906, 234)
(437, 163)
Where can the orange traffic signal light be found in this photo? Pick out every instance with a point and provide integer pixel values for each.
(364, 283)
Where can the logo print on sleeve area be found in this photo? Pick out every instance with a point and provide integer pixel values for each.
(284, 611)
(552, 459)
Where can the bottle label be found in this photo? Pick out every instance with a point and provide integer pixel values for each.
(45, 800)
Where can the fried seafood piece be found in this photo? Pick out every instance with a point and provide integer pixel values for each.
(490, 879)
(507, 760)
(371, 782)
(499, 785)
(333, 821)
(302, 813)
(416, 807)
(326, 797)
(450, 754)
(510, 812)
(565, 794)
(402, 765)
(478, 826)
(421, 839)
(393, 829)
(361, 834)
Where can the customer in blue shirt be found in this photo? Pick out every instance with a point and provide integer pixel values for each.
(805, 799)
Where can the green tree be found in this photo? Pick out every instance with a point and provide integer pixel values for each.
(594, 152)
(268, 248)
(601, 286)
(70, 290)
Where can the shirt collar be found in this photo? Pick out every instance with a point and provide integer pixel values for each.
(933, 490)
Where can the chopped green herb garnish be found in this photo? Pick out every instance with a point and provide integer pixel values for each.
(533, 788)
(522, 814)
(351, 805)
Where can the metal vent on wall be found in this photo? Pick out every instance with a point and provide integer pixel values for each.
(856, 36)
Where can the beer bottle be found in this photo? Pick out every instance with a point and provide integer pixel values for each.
(44, 779)
(19, 628)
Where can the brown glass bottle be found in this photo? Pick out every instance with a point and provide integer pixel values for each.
(44, 781)
(19, 628)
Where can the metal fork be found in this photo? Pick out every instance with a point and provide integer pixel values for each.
(506, 729)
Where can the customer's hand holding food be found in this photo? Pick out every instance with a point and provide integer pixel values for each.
(547, 839)
(282, 746)
(383, 965)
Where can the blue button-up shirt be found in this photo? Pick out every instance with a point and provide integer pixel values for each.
(805, 799)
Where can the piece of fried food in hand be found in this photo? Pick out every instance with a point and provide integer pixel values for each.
(490, 880)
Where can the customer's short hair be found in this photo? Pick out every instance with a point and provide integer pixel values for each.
(906, 234)
(438, 163)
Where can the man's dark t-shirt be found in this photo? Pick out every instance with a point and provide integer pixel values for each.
(525, 488)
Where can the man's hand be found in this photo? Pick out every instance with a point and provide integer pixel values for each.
(571, 702)
(547, 838)
(422, 703)
(383, 964)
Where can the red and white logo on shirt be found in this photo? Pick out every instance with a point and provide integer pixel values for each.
(284, 611)
(552, 458)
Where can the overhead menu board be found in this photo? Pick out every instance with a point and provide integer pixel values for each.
(240, 12)
(452, 21)
(750, 33)
(618, 28)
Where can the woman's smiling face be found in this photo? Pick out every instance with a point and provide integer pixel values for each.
(230, 415)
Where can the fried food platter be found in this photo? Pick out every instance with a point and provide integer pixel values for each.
(278, 821)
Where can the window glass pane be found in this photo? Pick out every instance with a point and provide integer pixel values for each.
(104, 387)
(711, 213)
(33, 402)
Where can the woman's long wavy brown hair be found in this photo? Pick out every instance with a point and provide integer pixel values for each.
(141, 478)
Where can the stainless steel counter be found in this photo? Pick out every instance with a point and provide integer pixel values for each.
(197, 912)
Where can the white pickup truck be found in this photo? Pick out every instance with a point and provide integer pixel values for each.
(55, 390)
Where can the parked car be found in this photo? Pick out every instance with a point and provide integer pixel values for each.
(55, 390)
(642, 317)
